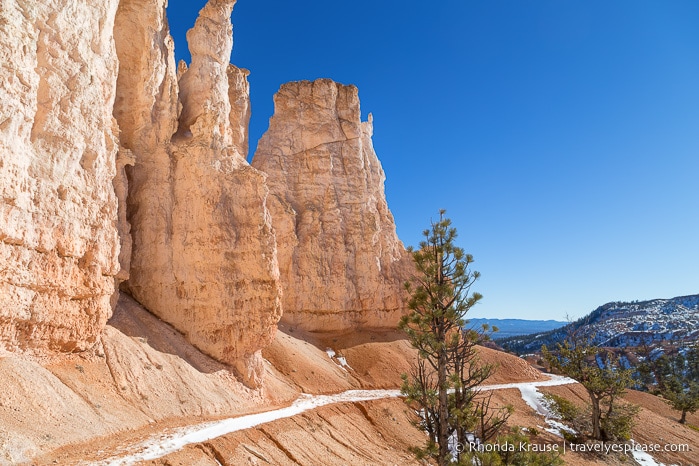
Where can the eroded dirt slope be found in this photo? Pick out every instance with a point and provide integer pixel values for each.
(368, 433)
(142, 372)
(144, 376)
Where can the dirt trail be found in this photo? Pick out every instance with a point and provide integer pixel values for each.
(164, 444)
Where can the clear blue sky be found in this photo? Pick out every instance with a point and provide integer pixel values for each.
(561, 136)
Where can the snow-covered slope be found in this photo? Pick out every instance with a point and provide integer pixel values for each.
(621, 324)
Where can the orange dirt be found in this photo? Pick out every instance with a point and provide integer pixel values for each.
(145, 379)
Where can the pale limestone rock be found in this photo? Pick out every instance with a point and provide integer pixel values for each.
(58, 211)
(204, 252)
(239, 96)
(341, 263)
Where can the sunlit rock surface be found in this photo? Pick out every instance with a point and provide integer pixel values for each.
(341, 263)
(203, 249)
(58, 210)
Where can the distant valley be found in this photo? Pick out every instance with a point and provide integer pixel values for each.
(513, 327)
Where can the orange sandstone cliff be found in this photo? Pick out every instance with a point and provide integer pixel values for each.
(144, 263)
(203, 252)
(58, 143)
(121, 170)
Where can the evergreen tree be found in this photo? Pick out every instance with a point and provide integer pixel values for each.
(678, 379)
(604, 380)
(447, 372)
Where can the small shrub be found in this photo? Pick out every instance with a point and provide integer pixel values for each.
(562, 408)
(618, 424)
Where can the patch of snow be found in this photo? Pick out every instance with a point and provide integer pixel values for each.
(162, 445)
(644, 459)
(557, 428)
(339, 360)
(343, 362)
(535, 400)
(552, 381)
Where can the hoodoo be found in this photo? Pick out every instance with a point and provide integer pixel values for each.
(342, 265)
(204, 252)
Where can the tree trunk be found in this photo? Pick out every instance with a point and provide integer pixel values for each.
(596, 416)
(443, 409)
(683, 419)
(460, 431)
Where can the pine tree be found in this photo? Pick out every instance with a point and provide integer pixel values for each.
(604, 380)
(448, 370)
(679, 377)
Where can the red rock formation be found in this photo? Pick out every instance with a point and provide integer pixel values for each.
(341, 263)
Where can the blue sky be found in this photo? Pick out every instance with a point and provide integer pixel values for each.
(561, 136)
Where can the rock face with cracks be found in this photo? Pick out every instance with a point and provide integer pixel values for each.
(341, 264)
(58, 211)
(120, 167)
(203, 249)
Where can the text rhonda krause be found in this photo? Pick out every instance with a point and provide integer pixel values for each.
(596, 447)
(510, 447)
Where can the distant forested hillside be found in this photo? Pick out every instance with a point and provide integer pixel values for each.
(622, 324)
(512, 327)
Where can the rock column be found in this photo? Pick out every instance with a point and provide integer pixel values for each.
(341, 263)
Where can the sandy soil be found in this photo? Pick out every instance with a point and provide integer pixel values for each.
(142, 373)
(144, 379)
(375, 359)
(656, 424)
(370, 433)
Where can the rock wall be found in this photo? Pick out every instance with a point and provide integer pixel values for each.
(341, 264)
(117, 165)
(203, 249)
(58, 211)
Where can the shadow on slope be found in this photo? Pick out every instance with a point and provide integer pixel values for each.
(134, 321)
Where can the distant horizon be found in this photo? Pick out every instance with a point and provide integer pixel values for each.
(472, 314)
(559, 136)
(513, 318)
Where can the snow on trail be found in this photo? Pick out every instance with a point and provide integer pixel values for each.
(535, 399)
(160, 446)
(553, 380)
(164, 444)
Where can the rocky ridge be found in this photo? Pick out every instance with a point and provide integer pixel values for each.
(650, 324)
